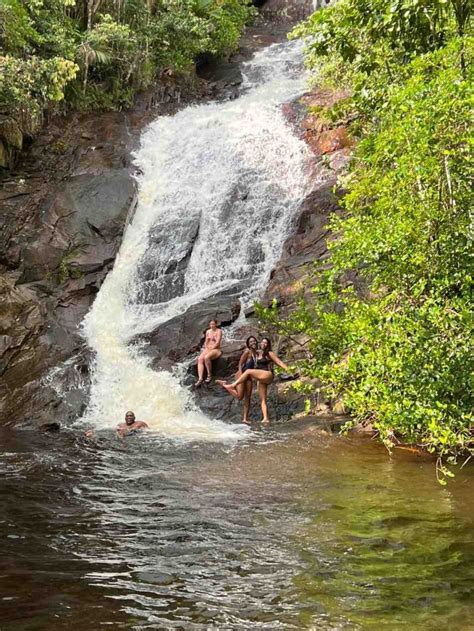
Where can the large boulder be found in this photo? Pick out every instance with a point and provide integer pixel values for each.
(183, 335)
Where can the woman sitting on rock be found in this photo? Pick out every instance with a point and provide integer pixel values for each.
(247, 361)
(263, 373)
(211, 350)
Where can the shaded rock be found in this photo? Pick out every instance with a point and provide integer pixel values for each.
(58, 239)
(214, 69)
(50, 427)
(289, 11)
(4, 158)
(80, 228)
(164, 237)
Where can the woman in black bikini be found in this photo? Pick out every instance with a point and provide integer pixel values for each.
(247, 361)
(263, 373)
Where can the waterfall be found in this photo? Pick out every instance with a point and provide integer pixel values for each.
(219, 187)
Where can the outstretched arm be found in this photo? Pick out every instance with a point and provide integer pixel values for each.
(278, 361)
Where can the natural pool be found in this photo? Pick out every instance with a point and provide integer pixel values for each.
(285, 530)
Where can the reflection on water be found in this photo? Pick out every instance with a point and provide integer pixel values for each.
(289, 531)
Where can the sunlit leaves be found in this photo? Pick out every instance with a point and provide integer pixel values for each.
(120, 46)
(400, 352)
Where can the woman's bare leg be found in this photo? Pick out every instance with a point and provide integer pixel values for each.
(262, 392)
(208, 357)
(263, 376)
(238, 392)
(247, 395)
(201, 367)
(240, 388)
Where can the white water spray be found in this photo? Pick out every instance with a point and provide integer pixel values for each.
(220, 186)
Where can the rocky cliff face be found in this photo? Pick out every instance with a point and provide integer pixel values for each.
(64, 210)
(63, 214)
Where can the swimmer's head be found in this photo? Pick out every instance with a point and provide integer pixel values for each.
(130, 418)
(213, 324)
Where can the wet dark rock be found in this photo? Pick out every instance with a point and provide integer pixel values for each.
(155, 290)
(50, 427)
(60, 232)
(227, 73)
(83, 224)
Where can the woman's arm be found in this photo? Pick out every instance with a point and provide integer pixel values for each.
(278, 361)
(243, 359)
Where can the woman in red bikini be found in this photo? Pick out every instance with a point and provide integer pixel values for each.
(211, 350)
(262, 373)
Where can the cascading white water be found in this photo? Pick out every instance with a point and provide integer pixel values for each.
(220, 184)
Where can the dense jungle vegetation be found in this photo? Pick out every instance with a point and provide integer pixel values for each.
(390, 325)
(96, 54)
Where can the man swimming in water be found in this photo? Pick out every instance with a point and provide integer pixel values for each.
(131, 426)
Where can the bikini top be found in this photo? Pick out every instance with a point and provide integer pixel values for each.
(250, 362)
(211, 337)
(264, 363)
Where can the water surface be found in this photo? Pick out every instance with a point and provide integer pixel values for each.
(294, 530)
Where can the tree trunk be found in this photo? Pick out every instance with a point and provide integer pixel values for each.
(86, 74)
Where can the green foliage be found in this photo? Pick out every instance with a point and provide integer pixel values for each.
(390, 325)
(66, 269)
(99, 54)
(28, 85)
(16, 27)
(369, 44)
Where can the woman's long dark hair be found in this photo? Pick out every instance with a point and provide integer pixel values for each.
(269, 347)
